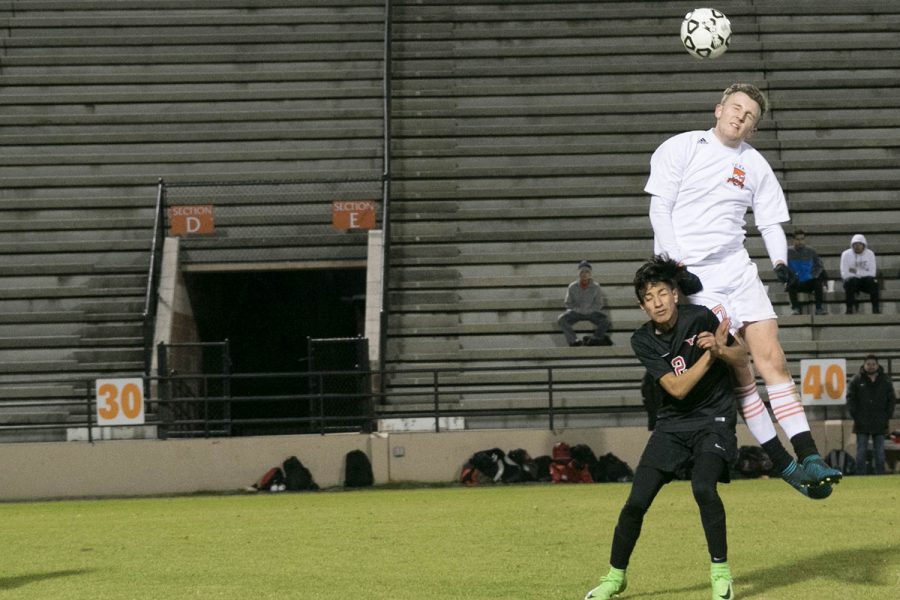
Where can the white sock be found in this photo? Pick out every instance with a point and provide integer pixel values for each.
(754, 412)
(787, 408)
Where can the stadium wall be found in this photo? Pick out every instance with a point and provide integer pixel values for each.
(31, 471)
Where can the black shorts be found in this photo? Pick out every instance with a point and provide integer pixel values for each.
(669, 451)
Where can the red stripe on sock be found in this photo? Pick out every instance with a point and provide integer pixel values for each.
(773, 396)
(752, 409)
(749, 415)
(788, 413)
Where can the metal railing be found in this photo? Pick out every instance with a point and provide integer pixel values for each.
(148, 316)
(182, 404)
(543, 394)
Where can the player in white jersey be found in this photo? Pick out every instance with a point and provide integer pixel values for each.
(701, 185)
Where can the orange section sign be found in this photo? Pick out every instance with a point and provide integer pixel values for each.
(353, 214)
(192, 219)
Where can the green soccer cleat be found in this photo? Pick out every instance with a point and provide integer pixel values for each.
(796, 477)
(816, 468)
(611, 584)
(819, 492)
(720, 576)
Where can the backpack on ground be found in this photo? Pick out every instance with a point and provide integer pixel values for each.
(842, 461)
(297, 477)
(527, 466)
(542, 467)
(584, 456)
(357, 470)
(614, 468)
(752, 462)
(489, 462)
(469, 475)
(565, 469)
(272, 477)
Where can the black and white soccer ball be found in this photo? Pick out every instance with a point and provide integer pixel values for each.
(706, 33)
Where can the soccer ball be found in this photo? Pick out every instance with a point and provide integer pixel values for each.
(706, 33)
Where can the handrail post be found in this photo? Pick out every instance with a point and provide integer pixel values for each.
(550, 396)
(150, 300)
(321, 404)
(205, 405)
(437, 403)
(385, 199)
(87, 397)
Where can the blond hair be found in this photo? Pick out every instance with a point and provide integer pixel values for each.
(752, 91)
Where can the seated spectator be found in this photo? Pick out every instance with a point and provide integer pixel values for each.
(858, 272)
(584, 303)
(805, 262)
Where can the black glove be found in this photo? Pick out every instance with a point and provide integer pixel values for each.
(688, 283)
(786, 275)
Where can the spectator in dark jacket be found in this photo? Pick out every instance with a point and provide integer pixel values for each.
(805, 262)
(871, 401)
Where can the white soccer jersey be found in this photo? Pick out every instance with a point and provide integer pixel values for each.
(710, 187)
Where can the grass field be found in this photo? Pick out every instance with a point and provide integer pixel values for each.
(527, 542)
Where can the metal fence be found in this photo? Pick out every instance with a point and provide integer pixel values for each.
(322, 401)
(314, 401)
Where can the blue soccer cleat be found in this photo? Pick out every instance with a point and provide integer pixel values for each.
(816, 468)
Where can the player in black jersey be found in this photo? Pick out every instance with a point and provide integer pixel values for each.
(689, 353)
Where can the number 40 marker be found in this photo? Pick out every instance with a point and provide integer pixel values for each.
(823, 381)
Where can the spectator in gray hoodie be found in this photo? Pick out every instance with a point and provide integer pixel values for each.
(858, 271)
(584, 303)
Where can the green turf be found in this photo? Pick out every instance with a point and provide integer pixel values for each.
(544, 542)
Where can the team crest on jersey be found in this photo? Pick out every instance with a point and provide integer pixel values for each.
(737, 176)
(690, 341)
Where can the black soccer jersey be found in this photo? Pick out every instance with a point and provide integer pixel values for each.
(675, 351)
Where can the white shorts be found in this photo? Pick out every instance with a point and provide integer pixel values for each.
(732, 288)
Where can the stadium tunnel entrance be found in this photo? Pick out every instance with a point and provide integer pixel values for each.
(267, 317)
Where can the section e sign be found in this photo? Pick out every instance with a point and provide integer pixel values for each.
(191, 219)
(353, 214)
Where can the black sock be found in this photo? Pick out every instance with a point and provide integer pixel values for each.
(804, 445)
(780, 457)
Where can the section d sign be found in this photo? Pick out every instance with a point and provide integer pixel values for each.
(193, 219)
(353, 214)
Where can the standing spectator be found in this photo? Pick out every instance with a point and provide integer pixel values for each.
(871, 401)
(858, 272)
(584, 303)
(805, 262)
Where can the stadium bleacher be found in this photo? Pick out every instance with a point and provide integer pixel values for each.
(521, 136)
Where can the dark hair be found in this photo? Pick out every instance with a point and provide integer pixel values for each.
(872, 357)
(797, 232)
(659, 269)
